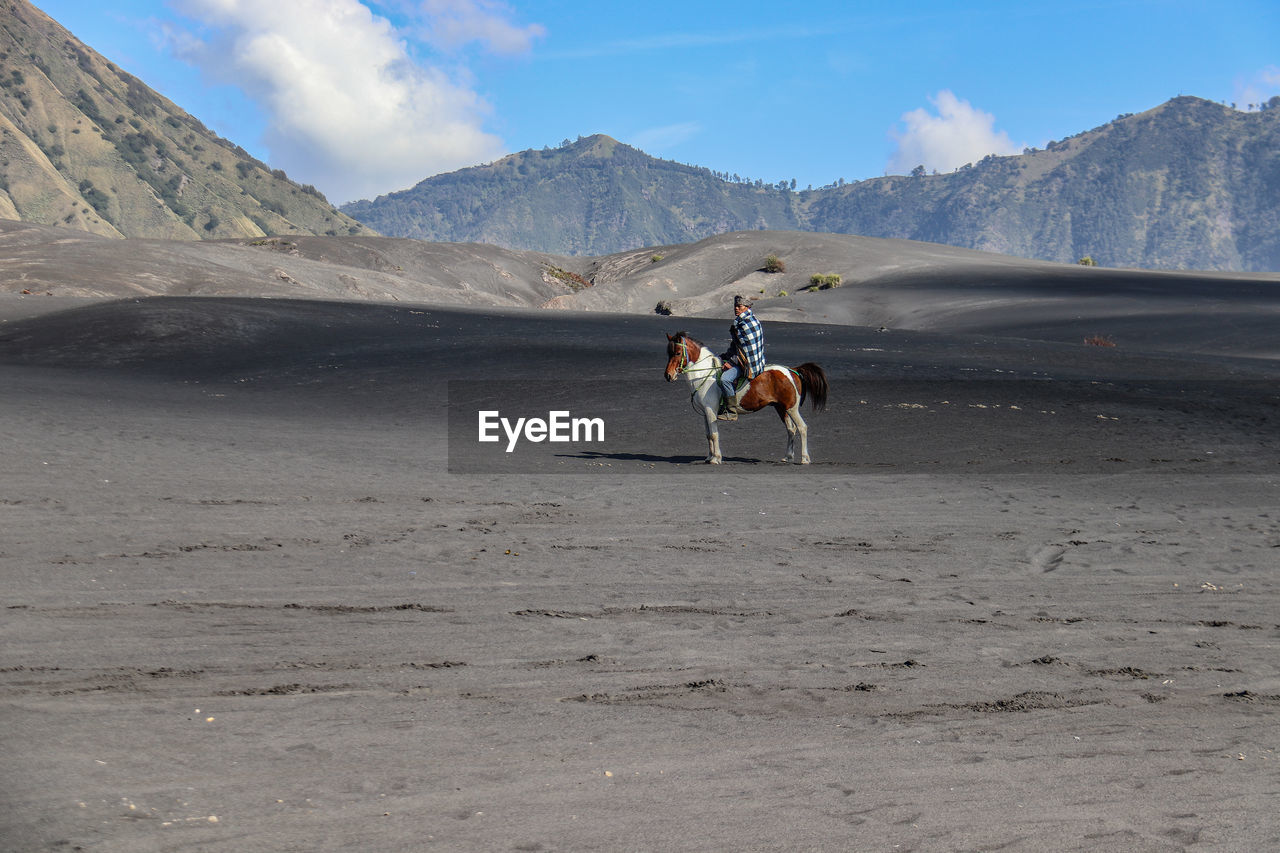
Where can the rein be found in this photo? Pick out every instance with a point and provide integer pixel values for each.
(687, 367)
(698, 378)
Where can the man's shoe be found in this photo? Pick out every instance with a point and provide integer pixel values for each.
(727, 416)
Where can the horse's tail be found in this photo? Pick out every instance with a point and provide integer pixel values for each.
(813, 384)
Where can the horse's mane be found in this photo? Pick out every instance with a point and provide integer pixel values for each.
(688, 337)
(674, 341)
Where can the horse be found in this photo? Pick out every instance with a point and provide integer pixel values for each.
(784, 388)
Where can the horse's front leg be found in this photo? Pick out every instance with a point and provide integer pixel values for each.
(713, 439)
(708, 400)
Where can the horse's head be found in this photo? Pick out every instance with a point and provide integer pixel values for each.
(682, 351)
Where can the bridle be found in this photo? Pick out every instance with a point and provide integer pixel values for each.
(686, 366)
(698, 378)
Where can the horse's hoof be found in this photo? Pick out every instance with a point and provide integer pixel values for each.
(804, 461)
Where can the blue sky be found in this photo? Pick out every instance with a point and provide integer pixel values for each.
(365, 97)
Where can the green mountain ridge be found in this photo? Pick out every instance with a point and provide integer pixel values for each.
(86, 145)
(596, 196)
(1190, 184)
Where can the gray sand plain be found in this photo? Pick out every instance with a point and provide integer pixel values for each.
(258, 596)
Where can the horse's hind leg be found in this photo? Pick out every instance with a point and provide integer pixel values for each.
(789, 423)
(797, 428)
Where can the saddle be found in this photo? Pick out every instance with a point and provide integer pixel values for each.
(745, 376)
(729, 406)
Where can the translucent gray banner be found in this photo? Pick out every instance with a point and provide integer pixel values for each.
(958, 425)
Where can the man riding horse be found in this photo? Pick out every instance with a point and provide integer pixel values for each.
(745, 356)
(783, 389)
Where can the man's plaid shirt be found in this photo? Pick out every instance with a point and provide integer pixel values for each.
(748, 334)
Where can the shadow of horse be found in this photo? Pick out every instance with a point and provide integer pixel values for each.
(595, 456)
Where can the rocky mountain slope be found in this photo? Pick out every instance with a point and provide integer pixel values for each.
(88, 146)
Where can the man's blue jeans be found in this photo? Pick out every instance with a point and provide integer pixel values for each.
(727, 378)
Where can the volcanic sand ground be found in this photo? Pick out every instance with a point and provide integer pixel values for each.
(1026, 597)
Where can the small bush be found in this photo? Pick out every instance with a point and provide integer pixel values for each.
(95, 197)
(773, 263)
(1087, 261)
(663, 308)
(824, 281)
(782, 293)
(575, 281)
(655, 259)
(1099, 341)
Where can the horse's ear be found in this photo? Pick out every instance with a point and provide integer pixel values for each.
(670, 338)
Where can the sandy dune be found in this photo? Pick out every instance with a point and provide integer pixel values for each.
(259, 595)
(897, 284)
(45, 261)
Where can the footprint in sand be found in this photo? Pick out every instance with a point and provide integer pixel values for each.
(1047, 558)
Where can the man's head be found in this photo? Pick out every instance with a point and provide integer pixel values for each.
(740, 304)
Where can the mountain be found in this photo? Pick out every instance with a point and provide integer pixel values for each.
(591, 197)
(1190, 184)
(86, 145)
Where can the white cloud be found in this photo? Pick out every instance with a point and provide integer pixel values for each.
(1259, 88)
(349, 110)
(453, 23)
(662, 138)
(957, 135)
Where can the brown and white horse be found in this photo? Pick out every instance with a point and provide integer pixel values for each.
(783, 388)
